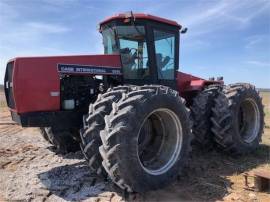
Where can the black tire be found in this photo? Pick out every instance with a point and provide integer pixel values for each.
(238, 119)
(201, 112)
(94, 123)
(64, 140)
(44, 134)
(124, 139)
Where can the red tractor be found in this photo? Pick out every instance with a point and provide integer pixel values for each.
(129, 109)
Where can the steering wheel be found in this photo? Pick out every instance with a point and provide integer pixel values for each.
(133, 52)
(130, 55)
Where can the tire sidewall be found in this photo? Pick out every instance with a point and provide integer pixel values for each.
(244, 95)
(133, 166)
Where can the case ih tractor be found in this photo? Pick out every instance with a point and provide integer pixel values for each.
(129, 109)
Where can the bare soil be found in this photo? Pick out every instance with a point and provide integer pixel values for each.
(31, 171)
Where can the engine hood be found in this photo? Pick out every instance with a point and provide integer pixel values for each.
(36, 79)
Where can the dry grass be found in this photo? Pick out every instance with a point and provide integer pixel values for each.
(266, 103)
(3, 103)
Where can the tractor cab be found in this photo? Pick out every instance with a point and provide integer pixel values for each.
(148, 45)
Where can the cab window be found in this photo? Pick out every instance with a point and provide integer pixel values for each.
(109, 41)
(165, 54)
(133, 50)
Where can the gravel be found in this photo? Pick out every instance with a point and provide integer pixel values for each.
(31, 171)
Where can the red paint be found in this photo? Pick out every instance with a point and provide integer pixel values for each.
(188, 83)
(34, 78)
(37, 77)
(123, 16)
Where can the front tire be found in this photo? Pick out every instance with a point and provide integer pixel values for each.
(238, 119)
(146, 139)
(64, 140)
(94, 123)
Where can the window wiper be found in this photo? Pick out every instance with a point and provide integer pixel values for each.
(136, 28)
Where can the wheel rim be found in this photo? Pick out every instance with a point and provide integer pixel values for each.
(249, 120)
(159, 141)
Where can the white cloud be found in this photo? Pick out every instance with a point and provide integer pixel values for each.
(60, 2)
(257, 63)
(210, 16)
(7, 12)
(25, 39)
(45, 28)
(208, 19)
(20, 36)
(195, 44)
(258, 40)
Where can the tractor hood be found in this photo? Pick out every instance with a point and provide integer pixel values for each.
(33, 83)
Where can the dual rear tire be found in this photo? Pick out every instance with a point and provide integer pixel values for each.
(94, 122)
(229, 117)
(238, 119)
(145, 138)
(140, 136)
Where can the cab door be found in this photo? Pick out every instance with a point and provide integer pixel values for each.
(165, 54)
(135, 57)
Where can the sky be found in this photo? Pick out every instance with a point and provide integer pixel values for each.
(229, 38)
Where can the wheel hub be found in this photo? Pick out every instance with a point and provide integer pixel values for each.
(249, 120)
(159, 141)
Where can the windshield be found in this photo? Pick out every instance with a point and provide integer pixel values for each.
(133, 49)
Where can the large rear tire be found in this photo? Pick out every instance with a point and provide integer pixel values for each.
(64, 140)
(146, 139)
(94, 123)
(238, 119)
(201, 112)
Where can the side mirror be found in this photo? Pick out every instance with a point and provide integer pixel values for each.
(184, 30)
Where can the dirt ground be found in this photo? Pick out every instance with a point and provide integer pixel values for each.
(30, 171)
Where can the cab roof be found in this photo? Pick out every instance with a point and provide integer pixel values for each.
(143, 16)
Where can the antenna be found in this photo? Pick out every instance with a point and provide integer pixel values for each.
(129, 16)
